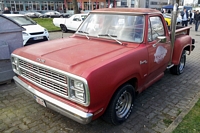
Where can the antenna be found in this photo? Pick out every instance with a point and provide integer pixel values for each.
(64, 24)
(62, 34)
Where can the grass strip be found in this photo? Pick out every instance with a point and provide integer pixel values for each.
(191, 122)
(47, 23)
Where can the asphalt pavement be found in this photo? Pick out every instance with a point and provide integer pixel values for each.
(158, 109)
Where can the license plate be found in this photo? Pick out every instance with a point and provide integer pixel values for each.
(40, 101)
(38, 38)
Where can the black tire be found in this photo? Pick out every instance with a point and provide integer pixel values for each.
(120, 106)
(178, 69)
(63, 28)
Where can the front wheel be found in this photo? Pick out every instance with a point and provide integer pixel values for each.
(121, 105)
(63, 28)
(178, 69)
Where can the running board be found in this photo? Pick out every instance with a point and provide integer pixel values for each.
(170, 66)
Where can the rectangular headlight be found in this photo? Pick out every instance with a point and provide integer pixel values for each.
(77, 90)
(15, 64)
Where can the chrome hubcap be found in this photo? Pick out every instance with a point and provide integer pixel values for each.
(123, 104)
(182, 63)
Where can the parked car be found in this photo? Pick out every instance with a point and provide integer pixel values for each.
(168, 19)
(34, 32)
(56, 14)
(35, 14)
(71, 23)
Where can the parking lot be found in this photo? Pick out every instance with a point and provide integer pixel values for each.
(158, 109)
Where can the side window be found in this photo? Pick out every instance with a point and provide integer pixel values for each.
(155, 28)
(149, 32)
(76, 18)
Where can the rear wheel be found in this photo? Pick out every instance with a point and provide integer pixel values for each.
(63, 28)
(178, 69)
(121, 105)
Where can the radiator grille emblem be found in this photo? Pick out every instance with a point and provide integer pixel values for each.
(40, 60)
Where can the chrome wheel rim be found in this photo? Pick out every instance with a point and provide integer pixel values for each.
(123, 104)
(182, 63)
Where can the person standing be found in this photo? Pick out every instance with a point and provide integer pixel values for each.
(191, 17)
(184, 15)
(197, 19)
(194, 11)
(6, 11)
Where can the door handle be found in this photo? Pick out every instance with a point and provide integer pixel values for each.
(155, 44)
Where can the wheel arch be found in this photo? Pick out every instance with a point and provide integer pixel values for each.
(133, 81)
(62, 26)
(183, 42)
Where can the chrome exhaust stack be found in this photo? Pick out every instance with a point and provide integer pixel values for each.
(173, 27)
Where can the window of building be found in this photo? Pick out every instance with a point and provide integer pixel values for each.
(154, 3)
(36, 5)
(95, 5)
(51, 6)
(70, 6)
(19, 5)
(44, 5)
(101, 5)
(87, 6)
(30, 5)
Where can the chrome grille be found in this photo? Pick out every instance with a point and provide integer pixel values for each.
(47, 79)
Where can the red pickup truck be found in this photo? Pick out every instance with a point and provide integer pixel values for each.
(114, 55)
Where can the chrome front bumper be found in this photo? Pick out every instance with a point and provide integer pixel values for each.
(62, 108)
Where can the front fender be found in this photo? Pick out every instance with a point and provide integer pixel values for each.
(182, 42)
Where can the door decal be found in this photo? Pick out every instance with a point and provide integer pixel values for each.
(160, 54)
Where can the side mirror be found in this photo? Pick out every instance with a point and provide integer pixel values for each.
(162, 39)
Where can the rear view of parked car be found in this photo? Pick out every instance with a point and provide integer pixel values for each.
(34, 33)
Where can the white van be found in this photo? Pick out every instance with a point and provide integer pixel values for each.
(34, 33)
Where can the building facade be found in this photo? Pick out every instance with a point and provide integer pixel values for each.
(59, 5)
(67, 6)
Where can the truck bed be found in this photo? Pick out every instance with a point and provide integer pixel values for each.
(181, 30)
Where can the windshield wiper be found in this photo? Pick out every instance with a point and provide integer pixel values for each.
(112, 37)
(86, 33)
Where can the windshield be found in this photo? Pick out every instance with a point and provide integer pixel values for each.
(22, 20)
(121, 27)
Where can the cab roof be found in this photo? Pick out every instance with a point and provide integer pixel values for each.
(141, 11)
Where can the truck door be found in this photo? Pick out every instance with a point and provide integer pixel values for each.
(159, 52)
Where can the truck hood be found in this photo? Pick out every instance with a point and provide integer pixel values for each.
(74, 55)
(33, 28)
